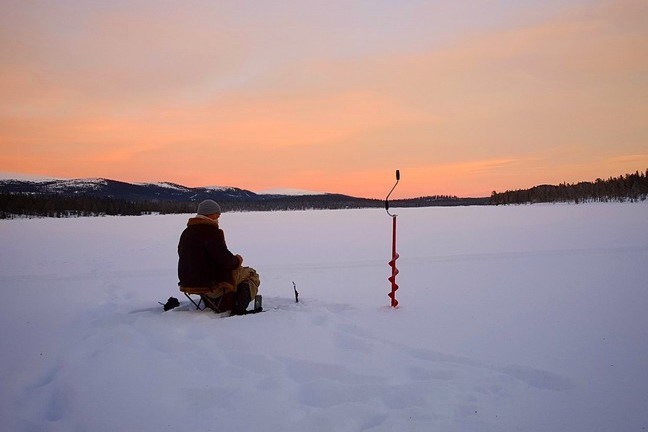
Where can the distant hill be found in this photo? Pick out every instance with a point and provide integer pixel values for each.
(99, 196)
(100, 187)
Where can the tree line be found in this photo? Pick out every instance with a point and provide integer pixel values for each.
(75, 205)
(438, 201)
(59, 205)
(628, 187)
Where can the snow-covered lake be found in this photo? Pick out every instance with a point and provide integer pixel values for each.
(530, 318)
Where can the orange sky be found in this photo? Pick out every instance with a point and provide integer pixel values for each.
(463, 97)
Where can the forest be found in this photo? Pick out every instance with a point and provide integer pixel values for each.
(59, 205)
(628, 187)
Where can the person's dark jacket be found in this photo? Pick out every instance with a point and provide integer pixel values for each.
(204, 259)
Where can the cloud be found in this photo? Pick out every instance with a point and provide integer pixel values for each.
(640, 160)
(173, 92)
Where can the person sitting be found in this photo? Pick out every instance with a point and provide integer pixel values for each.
(205, 263)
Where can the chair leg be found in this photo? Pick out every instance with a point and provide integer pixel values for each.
(194, 303)
(212, 304)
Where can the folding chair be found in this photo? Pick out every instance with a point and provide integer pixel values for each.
(204, 298)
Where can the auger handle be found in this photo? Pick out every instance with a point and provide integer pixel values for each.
(390, 192)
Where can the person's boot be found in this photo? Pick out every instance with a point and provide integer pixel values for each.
(242, 300)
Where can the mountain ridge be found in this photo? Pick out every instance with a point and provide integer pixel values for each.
(99, 196)
(165, 191)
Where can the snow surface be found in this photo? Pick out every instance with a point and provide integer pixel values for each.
(530, 318)
(25, 177)
(218, 188)
(88, 183)
(288, 191)
(167, 185)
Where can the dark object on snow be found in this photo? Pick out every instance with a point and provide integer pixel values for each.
(171, 303)
(296, 293)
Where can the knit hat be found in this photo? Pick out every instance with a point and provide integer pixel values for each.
(208, 207)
